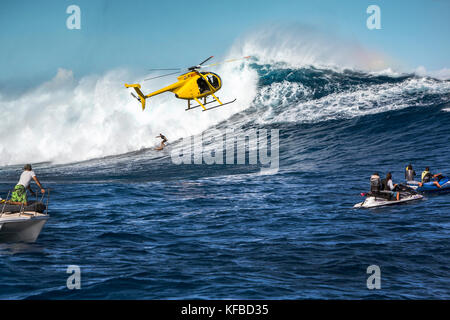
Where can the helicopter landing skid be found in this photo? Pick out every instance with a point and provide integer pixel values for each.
(209, 103)
(220, 105)
(189, 108)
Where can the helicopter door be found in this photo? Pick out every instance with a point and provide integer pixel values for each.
(202, 85)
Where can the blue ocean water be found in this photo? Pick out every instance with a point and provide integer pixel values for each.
(141, 227)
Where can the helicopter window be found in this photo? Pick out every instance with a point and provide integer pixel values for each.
(212, 79)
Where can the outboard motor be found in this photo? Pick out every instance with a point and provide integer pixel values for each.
(409, 175)
(375, 183)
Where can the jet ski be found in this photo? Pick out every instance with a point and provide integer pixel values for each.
(444, 182)
(385, 198)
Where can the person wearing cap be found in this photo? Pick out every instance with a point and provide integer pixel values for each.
(19, 195)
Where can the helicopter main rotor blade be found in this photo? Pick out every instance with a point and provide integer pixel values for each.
(164, 75)
(164, 69)
(194, 68)
(230, 60)
(205, 60)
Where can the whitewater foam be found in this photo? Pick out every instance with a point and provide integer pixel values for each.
(361, 100)
(69, 120)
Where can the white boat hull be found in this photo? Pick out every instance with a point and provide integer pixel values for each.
(21, 227)
(372, 202)
(413, 184)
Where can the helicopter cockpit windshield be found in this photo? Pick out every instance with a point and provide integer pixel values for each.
(213, 80)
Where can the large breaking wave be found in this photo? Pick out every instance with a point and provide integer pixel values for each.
(291, 78)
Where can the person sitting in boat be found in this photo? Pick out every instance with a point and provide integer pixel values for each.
(19, 194)
(390, 186)
(409, 173)
(427, 176)
(377, 187)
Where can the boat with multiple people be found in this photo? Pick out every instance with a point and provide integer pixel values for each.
(383, 192)
(431, 187)
(384, 198)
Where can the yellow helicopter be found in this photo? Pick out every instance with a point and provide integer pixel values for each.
(192, 85)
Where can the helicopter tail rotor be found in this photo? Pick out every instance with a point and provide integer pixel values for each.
(141, 97)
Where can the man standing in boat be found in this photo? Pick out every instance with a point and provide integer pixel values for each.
(19, 195)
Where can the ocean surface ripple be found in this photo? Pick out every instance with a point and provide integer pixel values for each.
(141, 227)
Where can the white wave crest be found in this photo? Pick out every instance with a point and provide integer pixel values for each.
(360, 101)
(443, 74)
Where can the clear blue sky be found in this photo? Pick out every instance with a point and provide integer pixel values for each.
(34, 40)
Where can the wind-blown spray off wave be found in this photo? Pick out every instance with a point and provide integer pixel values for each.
(290, 79)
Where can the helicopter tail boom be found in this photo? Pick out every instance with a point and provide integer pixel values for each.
(142, 97)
